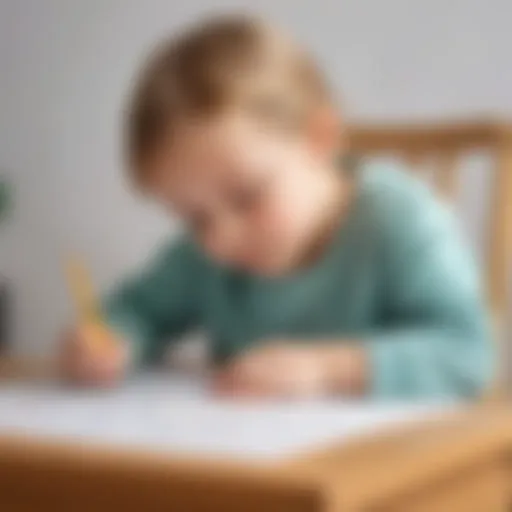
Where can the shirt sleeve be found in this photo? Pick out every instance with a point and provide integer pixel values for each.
(435, 338)
(158, 303)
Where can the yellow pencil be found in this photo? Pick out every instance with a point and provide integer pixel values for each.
(87, 306)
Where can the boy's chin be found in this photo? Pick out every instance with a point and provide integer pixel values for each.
(268, 268)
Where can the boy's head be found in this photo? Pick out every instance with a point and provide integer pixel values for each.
(232, 126)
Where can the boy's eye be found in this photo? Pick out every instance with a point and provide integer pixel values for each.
(199, 221)
(247, 197)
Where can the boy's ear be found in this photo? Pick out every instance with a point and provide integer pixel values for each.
(325, 133)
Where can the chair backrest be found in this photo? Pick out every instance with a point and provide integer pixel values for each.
(443, 145)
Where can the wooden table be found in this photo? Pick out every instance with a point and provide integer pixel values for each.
(460, 463)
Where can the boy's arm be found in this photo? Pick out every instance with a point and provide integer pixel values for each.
(159, 302)
(435, 339)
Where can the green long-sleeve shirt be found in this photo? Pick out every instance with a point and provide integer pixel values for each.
(395, 278)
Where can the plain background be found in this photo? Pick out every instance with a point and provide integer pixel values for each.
(65, 67)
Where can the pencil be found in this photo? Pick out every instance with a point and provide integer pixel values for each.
(86, 304)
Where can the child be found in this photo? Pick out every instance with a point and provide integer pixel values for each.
(310, 278)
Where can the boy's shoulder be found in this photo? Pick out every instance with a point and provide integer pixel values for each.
(389, 185)
(393, 199)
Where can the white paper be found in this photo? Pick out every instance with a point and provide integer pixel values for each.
(177, 415)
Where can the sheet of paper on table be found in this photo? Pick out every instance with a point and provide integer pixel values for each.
(168, 413)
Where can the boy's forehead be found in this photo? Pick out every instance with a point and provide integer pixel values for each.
(199, 161)
(218, 134)
(224, 146)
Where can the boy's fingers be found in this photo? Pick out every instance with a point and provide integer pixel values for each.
(244, 378)
(87, 371)
(87, 364)
(103, 374)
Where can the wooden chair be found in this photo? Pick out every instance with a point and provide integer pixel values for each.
(443, 145)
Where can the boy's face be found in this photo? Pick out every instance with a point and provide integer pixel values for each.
(251, 196)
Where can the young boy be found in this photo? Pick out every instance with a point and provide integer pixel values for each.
(310, 278)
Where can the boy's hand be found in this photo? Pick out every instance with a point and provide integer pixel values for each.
(91, 355)
(294, 370)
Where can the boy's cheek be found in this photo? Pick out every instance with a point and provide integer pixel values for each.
(278, 224)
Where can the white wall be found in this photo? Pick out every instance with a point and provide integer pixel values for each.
(65, 65)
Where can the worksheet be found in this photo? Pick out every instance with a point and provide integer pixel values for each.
(165, 412)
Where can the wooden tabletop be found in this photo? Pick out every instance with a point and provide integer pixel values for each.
(462, 459)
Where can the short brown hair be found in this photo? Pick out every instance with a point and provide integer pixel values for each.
(225, 62)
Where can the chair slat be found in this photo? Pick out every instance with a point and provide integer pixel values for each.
(500, 249)
(414, 160)
(446, 174)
